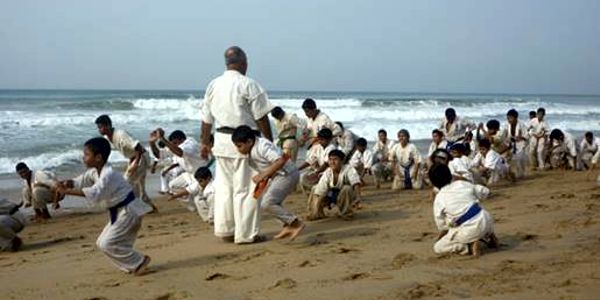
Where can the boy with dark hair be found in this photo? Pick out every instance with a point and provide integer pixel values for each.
(346, 139)
(287, 126)
(382, 167)
(275, 173)
(362, 158)
(317, 158)
(497, 137)
(406, 163)
(488, 166)
(459, 165)
(39, 189)
(538, 134)
(317, 120)
(104, 187)
(339, 185)
(139, 159)
(459, 217)
(206, 194)
(454, 127)
(437, 141)
(589, 151)
(516, 132)
(563, 150)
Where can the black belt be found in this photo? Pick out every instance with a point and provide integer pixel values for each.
(225, 130)
(113, 211)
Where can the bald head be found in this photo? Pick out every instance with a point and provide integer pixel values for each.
(235, 59)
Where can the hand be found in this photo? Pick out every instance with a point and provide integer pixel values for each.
(154, 136)
(258, 178)
(204, 151)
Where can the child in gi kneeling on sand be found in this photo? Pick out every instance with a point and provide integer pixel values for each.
(459, 217)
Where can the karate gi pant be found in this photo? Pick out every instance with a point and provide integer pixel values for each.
(168, 177)
(40, 197)
(381, 171)
(205, 207)
(280, 186)
(237, 213)
(10, 225)
(518, 163)
(417, 183)
(458, 238)
(138, 179)
(181, 182)
(344, 202)
(560, 157)
(116, 241)
(537, 152)
(490, 177)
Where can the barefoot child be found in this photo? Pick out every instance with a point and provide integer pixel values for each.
(488, 166)
(459, 165)
(362, 158)
(102, 186)
(563, 150)
(39, 189)
(317, 159)
(459, 217)
(538, 132)
(206, 195)
(589, 148)
(406, 162)
(518, 136)
(339, 185)
(437, 141)
(382, 166)
(277, 171)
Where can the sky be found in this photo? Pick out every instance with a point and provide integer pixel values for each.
(511, 46)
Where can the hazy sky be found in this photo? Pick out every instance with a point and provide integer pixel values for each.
(429, 46)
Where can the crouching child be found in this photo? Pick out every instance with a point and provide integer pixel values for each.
(339, 185)
(459, 217)
(102, 186)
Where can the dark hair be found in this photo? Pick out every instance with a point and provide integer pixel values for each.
(512, 113)
(99, 145)
(309, 104)
(203, 173)
(532, 113)
(440, 175)
(459, 147)
(589, 134)
(21, 166)
(469, 134)
(493, 124)
(440, 153)
(361, 142)
(541, 110)
(337, 153)
(485, 143)
(438, 132)
(450, 113)
(556, 134)
(104, 120)
(340, 124)
(277, 112)
(161, 144)
(382, 131)
(234, 55)
(177, 135)
(405, 132)
(243, 134)
(325, 133)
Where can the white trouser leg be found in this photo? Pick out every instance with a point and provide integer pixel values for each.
(116, 241)
(448, 244)
(279, 188)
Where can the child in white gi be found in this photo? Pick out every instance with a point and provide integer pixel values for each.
(488, 166)
(563, 150)
(317, 159)
(437, 141)
(458, 215)
(406, 163)
(170, 169)
(588, 149)
(459, 165)
(517, 133)
(346, 139)
(12, 221)
(39, 189)
(339, 186)
(277, 177)
(287, 126)
(205, 197)
(382, 167)
(538, 132)
(362, 158)
(104, 187)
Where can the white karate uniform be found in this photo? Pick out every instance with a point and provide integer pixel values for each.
(190, 161)
(589, 152)
(345, 182)
(108, 189)
(322, 121)
(205, 202)
(406, 157)
(457, 129)
(124, 143)
(317, 156)
(287, 133)
(433, 146)
(567, 149)
(362, 160)
(494, 163)
(518, 155)
(167, 160)
(232, 100)
(459, 166)
(382, 167)
(281, 184)
(39, 193)
(10, 224)
(537, 146)
(346, 141)
(451, 202)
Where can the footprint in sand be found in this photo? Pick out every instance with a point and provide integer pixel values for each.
(402, 259)
(216, 276)
(173, 296)
(286, 283)
(425, 290)
(356, 276)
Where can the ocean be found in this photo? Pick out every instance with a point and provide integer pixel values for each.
(46, 128)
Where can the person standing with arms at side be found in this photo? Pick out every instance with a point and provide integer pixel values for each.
(233, 100)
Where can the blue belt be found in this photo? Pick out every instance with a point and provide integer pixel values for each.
(407, 179)
(331, 197)
(114, 211)
(471, 212)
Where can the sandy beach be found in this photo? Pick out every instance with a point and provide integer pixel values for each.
(547, 225)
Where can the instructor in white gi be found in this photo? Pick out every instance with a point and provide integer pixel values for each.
(232, 100)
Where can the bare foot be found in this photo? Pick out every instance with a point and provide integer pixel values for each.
(475, 249)
(16, 244)
(142, 269)
(493, 242)
(297, 229)
(286, 231)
